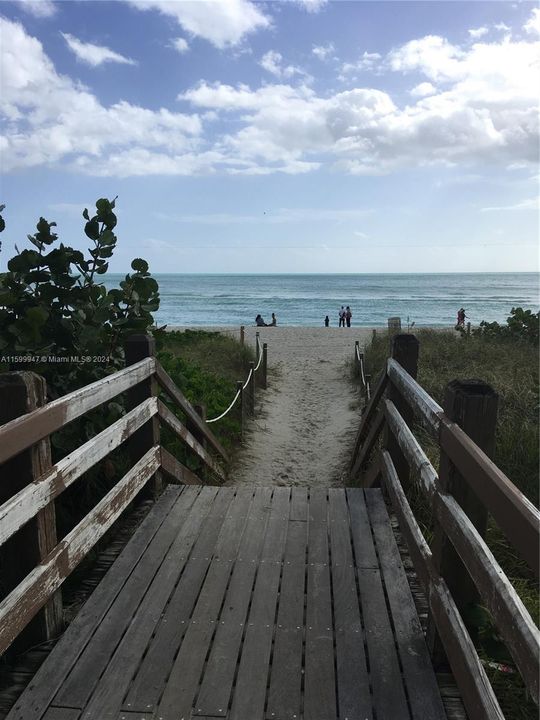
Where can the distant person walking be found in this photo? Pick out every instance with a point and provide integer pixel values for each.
(348, 316)
(326, 321)
(461, 317)
(274, 320)
(342, 317)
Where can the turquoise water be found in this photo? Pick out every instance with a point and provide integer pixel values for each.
(306, 299)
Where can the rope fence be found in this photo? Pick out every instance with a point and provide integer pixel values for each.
(247, 387)
(359, 366)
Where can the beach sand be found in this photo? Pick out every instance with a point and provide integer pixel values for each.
(306, 420)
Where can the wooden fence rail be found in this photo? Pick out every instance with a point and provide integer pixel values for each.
(29, 495)
(467, 487)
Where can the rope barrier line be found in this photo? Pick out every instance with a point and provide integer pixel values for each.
(244, 386)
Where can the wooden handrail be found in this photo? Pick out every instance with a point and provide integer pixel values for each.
(169, 386)
(415, 395)
(20, 508)
(367, 418)
(26, 430)
(514, 513)
(177, 471)
(20, 606)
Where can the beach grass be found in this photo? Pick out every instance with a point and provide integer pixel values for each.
(511, 368)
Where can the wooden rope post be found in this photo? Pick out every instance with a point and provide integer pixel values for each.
(240, 388)
(200, 409)
(405, 352)
(468, 329)
(373, 334)
(20, 393)
(242, 335)
(138, 347)
(251, 388)
(356, 366)
(471, 404)
(265, 366)
(257, 346)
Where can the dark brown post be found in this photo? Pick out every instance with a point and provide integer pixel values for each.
(201, 412)
(242, 333)
(373, 334)
(468, 328)
(405, 351)
(257, 346)
(472, 404)
(251, 389)
(20, 393)
(138, 347)
(240, 387)
(356, 366)
(265, 366)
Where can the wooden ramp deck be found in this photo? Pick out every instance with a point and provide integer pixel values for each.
(246, 604)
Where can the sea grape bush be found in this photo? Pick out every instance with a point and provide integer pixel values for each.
(54, 306)
(521, 325)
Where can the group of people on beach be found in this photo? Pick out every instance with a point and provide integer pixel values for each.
(259, 322)
(344, 317)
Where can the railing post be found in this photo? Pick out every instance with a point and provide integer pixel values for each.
(240, 387)
(373, 334)
(471, 404)
(405, 351)
(20, 393)
(138, 347)
(242, 335)
(468, 329)
(251, 388)
(265, 366)
(200, 409)
(356, 352)
(257, 346)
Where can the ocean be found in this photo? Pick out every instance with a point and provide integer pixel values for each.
(306, 299)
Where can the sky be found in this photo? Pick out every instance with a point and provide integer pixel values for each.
(294, 136)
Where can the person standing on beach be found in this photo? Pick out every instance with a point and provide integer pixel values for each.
(342, 317)
(348, 316)
(326, 321)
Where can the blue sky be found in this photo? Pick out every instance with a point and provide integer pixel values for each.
(300, 136)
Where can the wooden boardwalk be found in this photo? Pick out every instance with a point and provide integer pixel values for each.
(246, 604)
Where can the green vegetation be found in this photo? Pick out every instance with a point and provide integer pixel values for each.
(507, 358)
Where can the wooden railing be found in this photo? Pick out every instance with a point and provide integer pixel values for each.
(459, 568)
(34, 563)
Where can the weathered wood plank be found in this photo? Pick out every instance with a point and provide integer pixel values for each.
(319, 676)
(52, 673)
(513, 512)
(514, 623)
(284, 698)
(299, 503)
(351, 670)
(148, 684)
(364, 549)
(216, 686)
(31, 499)
(182, 685)
(367, 417)
(27, 430)
(176, 470)
(420, 681)
(57, 713)
(477, 693)
(106, 700)
(411, 449)
(79, 685)
(169, 386)
(415, 395)
(250, 693)
(174, 424)
(29, 596)
(372, 437)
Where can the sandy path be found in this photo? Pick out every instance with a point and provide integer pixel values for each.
(307, 418)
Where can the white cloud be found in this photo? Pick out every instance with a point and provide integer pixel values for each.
(368, 61)
(477, 33)
(533, 23)
(272, 62)
(221, 23)
(323, 52)
(423, 89)
(528, 204)
(94, 55)
(180, 44)
(83, 132)
(502, 27)
(432, 55)
(312, 6)
(39, 8)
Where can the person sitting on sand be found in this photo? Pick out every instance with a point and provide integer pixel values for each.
(326, 321)
(274, 320)
(260, 322)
